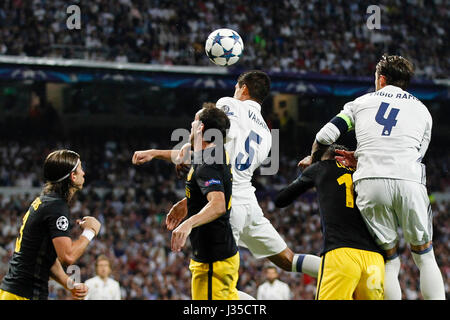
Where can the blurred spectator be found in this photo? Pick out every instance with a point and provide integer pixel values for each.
(273, 288)
(102, 287)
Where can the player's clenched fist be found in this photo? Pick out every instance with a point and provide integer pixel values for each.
(141, 157)
(79, 291)
(305, 162)
(90, 223)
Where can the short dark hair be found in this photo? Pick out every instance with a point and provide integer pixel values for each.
(257, 82)
(397, 70)
(59, 164)
(214, 118)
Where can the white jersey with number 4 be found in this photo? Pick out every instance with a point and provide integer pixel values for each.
(393, 131)
(248, 144)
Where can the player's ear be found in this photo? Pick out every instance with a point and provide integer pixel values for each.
(245, 90)
(382, 80)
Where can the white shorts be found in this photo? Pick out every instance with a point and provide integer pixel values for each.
(254, 231)
(386, 204)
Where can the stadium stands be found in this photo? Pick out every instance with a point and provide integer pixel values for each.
(290, 35)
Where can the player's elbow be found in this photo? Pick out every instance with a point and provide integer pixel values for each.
(217, 203)
(219, 208)
(67, 260)
(281, 200)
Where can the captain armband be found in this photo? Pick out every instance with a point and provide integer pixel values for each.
(332, 130)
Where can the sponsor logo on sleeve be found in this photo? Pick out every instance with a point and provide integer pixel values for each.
(212, 182)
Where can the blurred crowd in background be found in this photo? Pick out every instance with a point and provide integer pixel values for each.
(132, 202)
(328, 37)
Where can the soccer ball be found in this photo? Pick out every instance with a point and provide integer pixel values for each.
(224, 47)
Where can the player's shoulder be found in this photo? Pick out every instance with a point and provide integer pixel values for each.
(361, 100)
(210, 169)
(53, 205)
(229, 105)
(314, 168)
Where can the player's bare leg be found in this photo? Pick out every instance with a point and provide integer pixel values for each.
(431, 282)
(288, 261)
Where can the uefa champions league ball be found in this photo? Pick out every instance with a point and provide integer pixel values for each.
(224, 47)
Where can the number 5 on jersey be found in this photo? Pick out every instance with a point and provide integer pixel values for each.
(389, 122)
(253, 136)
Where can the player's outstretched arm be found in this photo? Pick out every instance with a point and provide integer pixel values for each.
(143, 156)
(210, 212)
(287, 195)
(176, 156)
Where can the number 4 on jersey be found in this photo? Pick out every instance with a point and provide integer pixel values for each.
(389, 122)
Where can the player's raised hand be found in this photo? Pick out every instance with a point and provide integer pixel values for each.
(197, 128)
(143, 156)
(79, 291)
(179, 236)
(90, 223)
(347, 158)
(305, 162)
(184, 155)
(176, 214)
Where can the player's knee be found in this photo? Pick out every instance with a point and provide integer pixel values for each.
(391, 253)
(420, 249)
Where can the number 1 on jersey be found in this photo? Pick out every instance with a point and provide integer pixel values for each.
(346, 179)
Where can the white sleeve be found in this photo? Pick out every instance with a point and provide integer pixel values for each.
(426, 137)
(328, 134)
(348, 113)
(228, 106)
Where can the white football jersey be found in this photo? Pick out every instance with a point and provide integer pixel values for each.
(248, 144)
(102, 290)
(393, 131)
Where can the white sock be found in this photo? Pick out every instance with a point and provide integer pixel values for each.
(431, 283)
(245, 296)
(392, 290)
(306, 263)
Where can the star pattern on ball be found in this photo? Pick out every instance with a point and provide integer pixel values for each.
(235, 37)
(217, 39)
(227, 54)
